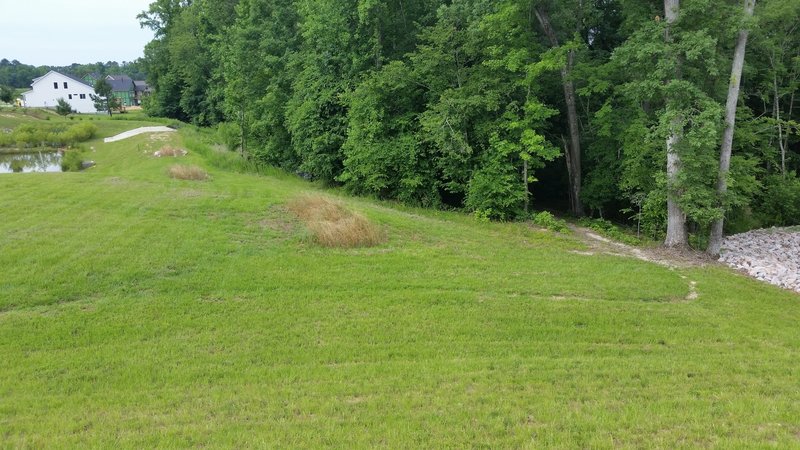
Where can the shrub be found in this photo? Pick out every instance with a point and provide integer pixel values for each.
(780, 203)
(17, 165)
(188, 173)
(28, 135)
(333, 225)
(547, 220)
(72, 161)
(230, 134)
(609, 230)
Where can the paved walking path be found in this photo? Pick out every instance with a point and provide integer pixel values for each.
(141, 130)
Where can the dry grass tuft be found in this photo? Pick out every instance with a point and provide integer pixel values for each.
(188, 173)
(170, 151)
(333, 225)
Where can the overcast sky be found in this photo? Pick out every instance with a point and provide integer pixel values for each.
(61, 32)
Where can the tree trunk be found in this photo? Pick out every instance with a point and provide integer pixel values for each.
(677, 235)
(574, 150)
(715, 240)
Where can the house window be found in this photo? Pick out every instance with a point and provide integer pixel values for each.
(83, 96)
(55, 85)
(65, 85)
(70, 96)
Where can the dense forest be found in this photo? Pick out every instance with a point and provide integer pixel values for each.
(678, 116)
(18, 75)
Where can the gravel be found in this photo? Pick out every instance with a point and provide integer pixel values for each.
(771, 255)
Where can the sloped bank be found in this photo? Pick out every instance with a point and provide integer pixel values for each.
(771, 255)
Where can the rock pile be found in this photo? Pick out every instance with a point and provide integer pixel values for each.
(771, 255)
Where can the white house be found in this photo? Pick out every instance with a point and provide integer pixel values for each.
(47, 89)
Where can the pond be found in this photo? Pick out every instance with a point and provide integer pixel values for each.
(45, 161)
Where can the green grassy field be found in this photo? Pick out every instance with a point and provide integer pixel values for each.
(139, 311)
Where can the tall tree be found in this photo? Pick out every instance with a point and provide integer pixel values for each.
(677, 235)
(573, 148)
(715, 240)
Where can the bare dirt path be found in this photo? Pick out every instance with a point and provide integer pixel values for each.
(672, 259)
(137, 131)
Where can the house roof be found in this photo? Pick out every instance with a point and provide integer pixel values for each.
(140, 86)
(71, 77)
(76, 78)
(120, 83)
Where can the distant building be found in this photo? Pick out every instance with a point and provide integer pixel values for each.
(129, 92)
(47, 89)
(141, 90)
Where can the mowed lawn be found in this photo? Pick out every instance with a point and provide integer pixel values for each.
(139, 311)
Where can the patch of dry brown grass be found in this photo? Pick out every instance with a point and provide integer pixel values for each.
(188, 173)
(170, 151)
(333, 225)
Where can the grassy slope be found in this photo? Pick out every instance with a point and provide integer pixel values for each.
(140, 311)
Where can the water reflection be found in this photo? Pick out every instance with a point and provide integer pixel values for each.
(30, 162)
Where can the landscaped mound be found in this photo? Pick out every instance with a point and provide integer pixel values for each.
(331, 224)
(188, 173)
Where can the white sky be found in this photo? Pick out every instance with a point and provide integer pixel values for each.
(62, 32)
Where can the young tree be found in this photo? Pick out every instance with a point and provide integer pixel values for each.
(715, 240)
(103, 100)
(63, 108)
(6, 94)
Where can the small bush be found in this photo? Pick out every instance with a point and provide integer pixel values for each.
(72, 161)
(17, 165)
(547, 220)
(188, 173)
(333, 225)
(230, 134)
(608, 229)
(29, 135)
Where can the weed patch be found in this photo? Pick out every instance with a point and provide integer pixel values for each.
(546, 220)
(331, 224)
(188, 173)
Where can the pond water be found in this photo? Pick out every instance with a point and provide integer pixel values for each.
(30, 162)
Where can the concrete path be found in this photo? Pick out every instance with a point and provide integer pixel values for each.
(141, 130)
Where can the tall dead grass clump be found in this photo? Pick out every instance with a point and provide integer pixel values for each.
(331, 224)
(188, 173)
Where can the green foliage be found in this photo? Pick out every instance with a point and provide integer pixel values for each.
(547, 220)
(72, 160)
(230, 134)
(63, 108)
(610, 230)
(57, 135)
(780, 202)
(433, 103)
(6, 94)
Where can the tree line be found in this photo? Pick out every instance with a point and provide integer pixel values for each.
(678, 115)
(18, 75)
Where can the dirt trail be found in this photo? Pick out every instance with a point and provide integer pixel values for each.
(670, 258)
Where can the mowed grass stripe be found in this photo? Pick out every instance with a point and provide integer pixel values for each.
(140, 311)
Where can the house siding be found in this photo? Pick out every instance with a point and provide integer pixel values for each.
(47, 89)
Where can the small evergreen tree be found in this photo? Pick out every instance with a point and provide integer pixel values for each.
(63, 108)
